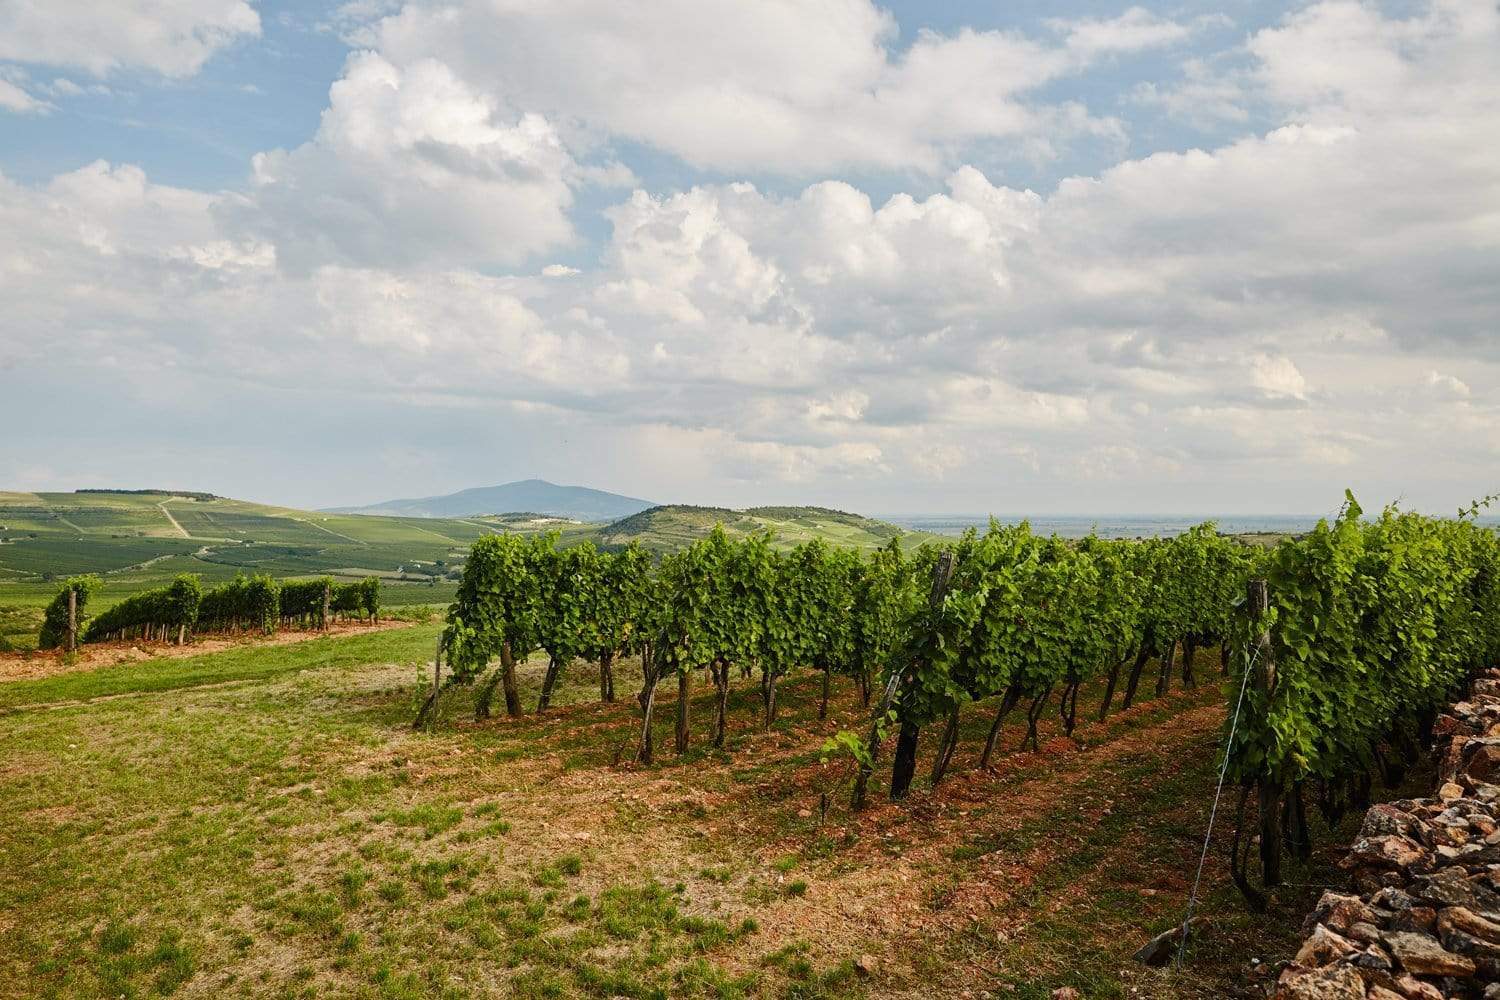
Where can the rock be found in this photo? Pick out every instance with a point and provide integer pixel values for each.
(1393, 899)
(1160, 949)
(1469, 922)
(1339, 912)
(1323, 947)
(1451, 887)
(1334, 982)
(1480, 759)
(1422, 919)
(866, 965)
(1385, 851)
(1424, 922)
(1373, 959)
(1424, 956)
(1414, 989)
(1066, 993)
(1385, 819)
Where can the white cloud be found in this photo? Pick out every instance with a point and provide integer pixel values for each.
(776, 86)
(1134, 30)
(14, 98)
(1446, 386)
(1289, 307)
(410, 165)
(1277, 377)
(1204, 96)
(174, 39)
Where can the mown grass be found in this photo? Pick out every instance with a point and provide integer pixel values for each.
(240, 664)
(287, 835)
(264, 822)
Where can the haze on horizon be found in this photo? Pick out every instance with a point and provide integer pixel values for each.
(1085, 258)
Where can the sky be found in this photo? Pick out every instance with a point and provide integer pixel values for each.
(1033, 257)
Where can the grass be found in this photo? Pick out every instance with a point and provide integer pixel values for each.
(244, 663)
(265, 822)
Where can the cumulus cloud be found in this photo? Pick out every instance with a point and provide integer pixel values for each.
(1316, 296)
(173, 39)
(772, 87)
(412, 166)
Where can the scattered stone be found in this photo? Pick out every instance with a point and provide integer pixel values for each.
(1450, 791)
(1160, 949)
(1066, 993)
(866, 965)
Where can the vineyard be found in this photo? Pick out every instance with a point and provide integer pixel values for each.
(1341, 652)
(174, 612)
(742, 768)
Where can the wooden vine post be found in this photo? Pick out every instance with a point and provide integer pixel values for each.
(428, 711)
(1258, 603)
(72, 619)
(327, 604)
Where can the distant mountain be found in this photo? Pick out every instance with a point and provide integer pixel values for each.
(536, 495)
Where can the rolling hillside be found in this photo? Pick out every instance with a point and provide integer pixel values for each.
(671, 527)
(140, 539)
(44, 535)
(576, 502)
(116, 532)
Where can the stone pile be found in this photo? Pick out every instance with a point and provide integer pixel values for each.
(1425, 922)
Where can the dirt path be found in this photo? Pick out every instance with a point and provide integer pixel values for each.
(37, 665)
(181, 531)
(314, 524)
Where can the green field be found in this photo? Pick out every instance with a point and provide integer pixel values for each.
(264, 822)
(135, 541)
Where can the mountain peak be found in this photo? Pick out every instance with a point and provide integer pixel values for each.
(580, 503)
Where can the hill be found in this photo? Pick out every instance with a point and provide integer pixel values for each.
(137, 539)
(676, 525)
(158, 534)
(576, 502)
(116, 532)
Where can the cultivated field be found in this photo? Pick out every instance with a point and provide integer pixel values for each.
(137, 541)
(262, 821)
